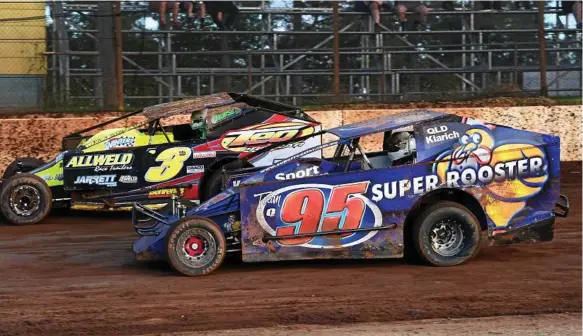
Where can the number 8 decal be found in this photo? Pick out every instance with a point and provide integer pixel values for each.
(172, 162)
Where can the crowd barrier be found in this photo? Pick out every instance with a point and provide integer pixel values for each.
(40, 136)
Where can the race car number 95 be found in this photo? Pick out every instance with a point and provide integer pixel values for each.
(305, 208)
(172, 162)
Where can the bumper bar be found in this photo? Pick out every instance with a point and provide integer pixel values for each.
(563, 206)
(141, 214)
(150, 215)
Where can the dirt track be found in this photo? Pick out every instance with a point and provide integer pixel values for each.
(509, 325)
(76, 275)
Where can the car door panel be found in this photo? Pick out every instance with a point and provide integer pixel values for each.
(100, 170)
(328, 216)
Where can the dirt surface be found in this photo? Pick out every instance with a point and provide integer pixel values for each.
(508, 101)
(75, 274)
(513, 325)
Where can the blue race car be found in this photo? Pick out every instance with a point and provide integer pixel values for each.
(438, 182)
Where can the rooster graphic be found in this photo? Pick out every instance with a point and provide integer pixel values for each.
(503, 198)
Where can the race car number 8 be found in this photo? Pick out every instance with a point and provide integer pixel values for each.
(172, 162)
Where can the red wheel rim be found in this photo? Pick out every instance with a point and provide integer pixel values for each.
(194, 246)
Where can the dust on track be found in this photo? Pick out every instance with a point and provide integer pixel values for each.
(75, 274)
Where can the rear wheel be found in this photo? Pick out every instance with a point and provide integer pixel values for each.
(446, 234)
(26, 164)
(25, 199)
(213, 186)
(195, 246)
(214, 182)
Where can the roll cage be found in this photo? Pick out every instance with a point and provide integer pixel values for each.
(154, 114)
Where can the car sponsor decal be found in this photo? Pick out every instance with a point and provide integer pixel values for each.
(101, 180)
(194, 169)
(165, 193)
(232, 224)
(171, 163)
(204, 155)
(512, 173)
(120, 142)
(440, 134)
(312, 208)
(530, 168)
(102, 162)
(253, 138)
(220, 116)
(57, 177)
(128, 179)
(310, 171)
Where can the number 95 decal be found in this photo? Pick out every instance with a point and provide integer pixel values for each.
(172, 162)
(312, 208)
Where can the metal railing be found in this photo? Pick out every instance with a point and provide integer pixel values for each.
(417, 64)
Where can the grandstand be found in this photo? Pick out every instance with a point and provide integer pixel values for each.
(286, 50)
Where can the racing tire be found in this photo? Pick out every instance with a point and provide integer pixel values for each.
(28, 164)
(446, 234)
(25, 199)
(195, 246)
(213, 186)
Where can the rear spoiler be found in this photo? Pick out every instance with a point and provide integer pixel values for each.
(280, 108)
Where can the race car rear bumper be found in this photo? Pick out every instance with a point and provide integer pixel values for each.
(563, 206)
(540, 231)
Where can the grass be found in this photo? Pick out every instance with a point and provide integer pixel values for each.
(567, 100)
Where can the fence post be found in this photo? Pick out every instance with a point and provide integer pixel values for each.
(336, 28)
(544, 89)
(107, 55)
(119, 56)
(249, 74)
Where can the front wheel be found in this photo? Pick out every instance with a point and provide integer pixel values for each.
(195, 246)
(25, 199)
(447, 234)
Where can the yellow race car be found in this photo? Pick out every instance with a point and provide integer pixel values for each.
(171, 150)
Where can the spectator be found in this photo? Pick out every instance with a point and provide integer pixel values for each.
(490, 5)
(188, 7)
(371, 7)
(572, 7)
(161, 7)
(218, 10)
(523, 5)
(448, 6)
(401, 8)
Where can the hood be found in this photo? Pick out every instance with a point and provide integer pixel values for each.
(224, 202)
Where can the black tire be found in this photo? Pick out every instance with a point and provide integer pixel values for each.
(27, 163)
(212, 186)
(25, 199)
(458, 229)
(183, 246)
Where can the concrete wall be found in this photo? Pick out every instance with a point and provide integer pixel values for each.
(41, 137)
(22, 63)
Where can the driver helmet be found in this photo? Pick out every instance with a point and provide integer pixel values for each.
(198, 119)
